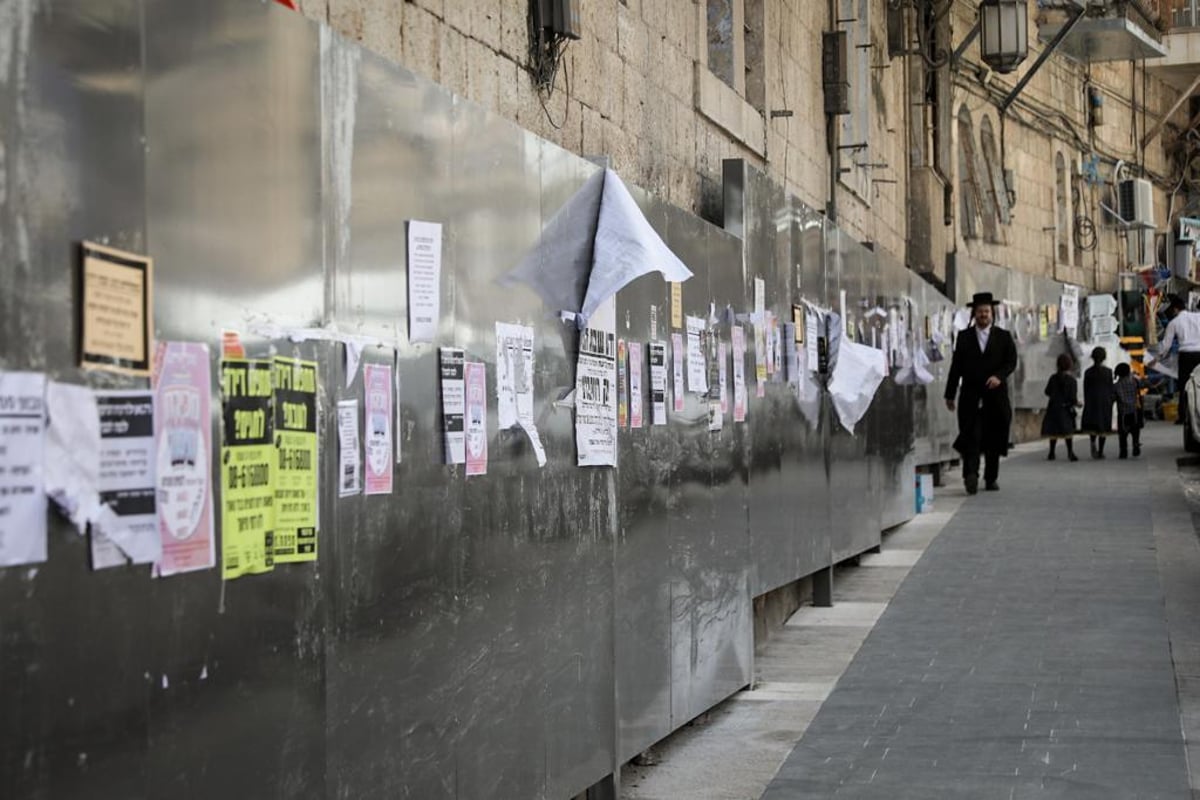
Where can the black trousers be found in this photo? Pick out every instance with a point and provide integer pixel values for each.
(1127, 425)
(991, 466)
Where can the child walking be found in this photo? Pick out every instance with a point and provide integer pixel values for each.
(1059, 422)
(1129, 421)
(1096, 420)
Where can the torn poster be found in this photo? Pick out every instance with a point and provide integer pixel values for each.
(597, 243)
(424, 280)
(697, 369)
(716, 420)
(377, 439)
(723, 376)
(856, 377)
(247, 467)
(453, 404)
(127, 461)
(183, 430)
(622, 385)
(658, 383)
(636, 398)
(677, 369)
(22, 497)
(295, 460)
(738, 336)
(349, 457)
(72, 453)
(475, 380)
(514, 383)
(596, 389)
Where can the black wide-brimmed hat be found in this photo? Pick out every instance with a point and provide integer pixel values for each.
(983, 299)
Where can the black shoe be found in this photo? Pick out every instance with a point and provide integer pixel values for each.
(1123, 455)
(991, 486)
(1100, 454)
(972, 485)
(1050, 457)
(1072, 457)
(1137, 451)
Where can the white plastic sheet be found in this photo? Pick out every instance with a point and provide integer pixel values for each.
(859, 371)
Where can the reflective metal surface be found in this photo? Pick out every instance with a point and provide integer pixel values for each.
(516, 635)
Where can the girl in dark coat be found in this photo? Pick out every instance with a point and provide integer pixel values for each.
(1059, 422)
(1097, 402)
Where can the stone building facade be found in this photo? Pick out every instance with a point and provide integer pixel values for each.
(927, 168)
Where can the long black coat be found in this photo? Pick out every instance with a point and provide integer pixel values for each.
(1097, 400)
(984, 415)
(1063, 394)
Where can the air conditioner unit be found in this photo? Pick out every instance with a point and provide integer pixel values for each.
(1135, 202)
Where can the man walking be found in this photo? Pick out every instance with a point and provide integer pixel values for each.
(984, 357)
(1184, 327)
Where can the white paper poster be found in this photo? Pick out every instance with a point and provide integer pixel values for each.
(739, 373)
(454, 404)
(127, 480)
(349, 457)
(22, 500)
(697, 370)
(723, 376)
(677, 369)
(475, 382)
(596, 389)
(760, 299)
(72, 453)
(812, 321)
(658, 383)
(636, 398)
(514, 383)
(377, 385)
(1068, 318)
(424, 280)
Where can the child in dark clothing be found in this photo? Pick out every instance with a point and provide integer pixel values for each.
(1059, 422)
(1126, 391)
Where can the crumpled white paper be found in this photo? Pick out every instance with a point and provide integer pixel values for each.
(72, 465)
(859, 371)
(916, 371)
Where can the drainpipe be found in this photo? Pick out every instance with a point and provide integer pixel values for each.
(832, 138)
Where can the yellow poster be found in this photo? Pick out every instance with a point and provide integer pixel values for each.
(1043, 322)
(296, 460)
(676, 306)
(247, 455)
(117, 310)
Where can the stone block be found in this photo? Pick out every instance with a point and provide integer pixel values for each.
(422, 42)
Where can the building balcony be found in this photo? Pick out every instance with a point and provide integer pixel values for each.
(1182, 42)
(1117, 30)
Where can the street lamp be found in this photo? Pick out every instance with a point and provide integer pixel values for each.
(1004, 29)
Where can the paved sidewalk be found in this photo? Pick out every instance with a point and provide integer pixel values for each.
(1042, 641)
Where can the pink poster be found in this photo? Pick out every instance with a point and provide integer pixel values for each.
(475, 378)
(677, 369)
(739, 374)
(377, 436)
(183, 433)
(635, 384)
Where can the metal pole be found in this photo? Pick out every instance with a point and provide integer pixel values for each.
(1158, 126)
(1062, 34)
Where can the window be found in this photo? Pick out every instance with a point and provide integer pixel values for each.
(977, 198)
(735, 47)
(856, 126)
(1062, 219)
(724, 47)
(993, 172)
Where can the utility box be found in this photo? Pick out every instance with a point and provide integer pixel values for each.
(833, 73)
(560, 17)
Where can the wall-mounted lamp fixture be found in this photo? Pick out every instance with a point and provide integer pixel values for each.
(1004, 29)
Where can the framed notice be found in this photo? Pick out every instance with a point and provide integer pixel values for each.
(117, 312)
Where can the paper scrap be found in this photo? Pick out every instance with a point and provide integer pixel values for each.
(514, 383)
(723, 376)
(353, 349)
(296, 460)
(183, 430)
(856, 377)
(738, 344)
(475, 380)
(349, 456)
(424, 280)
(658, 383)
(117, 310)
(247, 467)
(22, 495)
(377, 439)
(760, 299)
(799, 324)
(677, 369)
(72, 453)
(127, 480)
(453, 404)
(596, 389)
(622, 385)
(636, 396)
(716, 420)
(697, 369)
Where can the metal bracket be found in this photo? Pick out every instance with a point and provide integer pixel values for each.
(972, 35)
(1062, 34)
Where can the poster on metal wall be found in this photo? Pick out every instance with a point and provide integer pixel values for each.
(377, 437)
(636, 397)
(183, 468)
(247, 456)
(596, 389)
(475, 381)
(22, 498)
(126, 480)
(295, 460)
(738, 336)
(658, 383)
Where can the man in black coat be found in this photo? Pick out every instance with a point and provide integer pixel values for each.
(984, 357)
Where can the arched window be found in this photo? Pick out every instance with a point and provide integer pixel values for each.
(993, 170)
(1062, 211)
(977, 205)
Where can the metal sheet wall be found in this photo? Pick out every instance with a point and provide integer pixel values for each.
(516, 635)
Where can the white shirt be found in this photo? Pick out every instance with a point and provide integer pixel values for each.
(1186, 328)
(981, 336)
